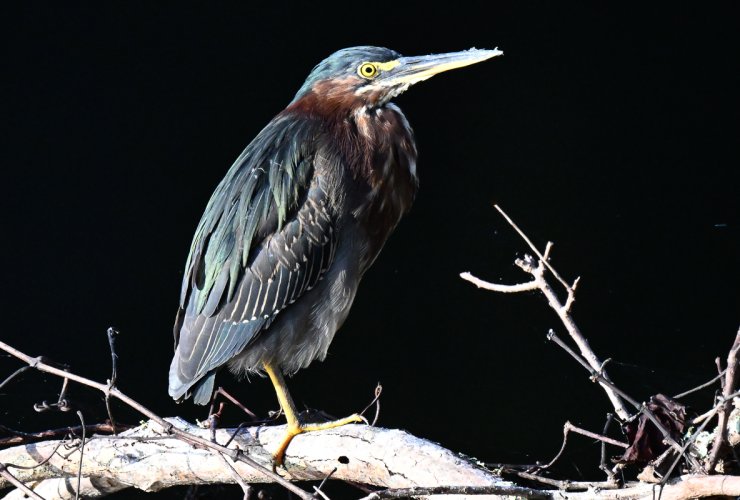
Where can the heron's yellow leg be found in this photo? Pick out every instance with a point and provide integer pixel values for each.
(291, 415)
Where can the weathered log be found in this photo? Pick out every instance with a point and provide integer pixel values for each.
(147, 458)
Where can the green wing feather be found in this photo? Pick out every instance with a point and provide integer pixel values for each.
(255, 198)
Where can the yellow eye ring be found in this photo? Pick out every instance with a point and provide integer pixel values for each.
(367, 70)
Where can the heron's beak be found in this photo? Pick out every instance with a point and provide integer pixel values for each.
(407, 71)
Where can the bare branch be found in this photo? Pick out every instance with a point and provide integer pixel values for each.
(234, 454)
(584, 347)
(20, 437)
(237, 477)
(685, 488)
(10, 478)
(569, 427)
(720, 438)
(376, 402)
(539, 282)
(13, 375)
(518, 288)
(112, 332)
(457, 490)
(700, 387)
(566, 485)
(543, 258)
(82, 454)
(599, 376)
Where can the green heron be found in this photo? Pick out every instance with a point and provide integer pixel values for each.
(300, 216)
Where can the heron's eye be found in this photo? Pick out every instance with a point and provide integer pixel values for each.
(367, 70)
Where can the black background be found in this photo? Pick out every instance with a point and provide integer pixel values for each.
(608, 129)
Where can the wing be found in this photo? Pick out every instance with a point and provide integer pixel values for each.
(267, 237)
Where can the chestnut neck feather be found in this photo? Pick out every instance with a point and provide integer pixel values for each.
(365, 134)
(377, 147)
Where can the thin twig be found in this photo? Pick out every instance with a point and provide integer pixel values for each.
(458, 490)
(702, 386)
(82, 454)
(61, 405)
(13, 375)
(112, 332)
(233, 434)
(20, 437)
(595, 375)
(495, 287)
(599, 437)
(602, 465)
(39, 464)
(4, 472)
(598, 376)
(214, 418)
(701, 418)
(237, 477)
(565, 485)
(568, 428)
(234, 454)
(320, 494)
(376, 402)
(221, 391)
(560, 451)
(534, 248)
(317, 489)
(583, 346)
(718, 363)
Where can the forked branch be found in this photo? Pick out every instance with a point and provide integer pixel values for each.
(537, 269)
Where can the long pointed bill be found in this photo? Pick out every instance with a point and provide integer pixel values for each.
(410, 70)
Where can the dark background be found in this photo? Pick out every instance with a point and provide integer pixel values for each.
(610, 130)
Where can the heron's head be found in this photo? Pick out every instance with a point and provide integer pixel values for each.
(372, 76)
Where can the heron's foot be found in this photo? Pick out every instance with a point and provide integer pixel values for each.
(294, 429)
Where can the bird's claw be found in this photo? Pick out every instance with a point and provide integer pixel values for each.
(293, 430)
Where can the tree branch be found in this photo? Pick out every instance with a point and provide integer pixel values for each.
(143, 457)
(720, 437)
(539, 282)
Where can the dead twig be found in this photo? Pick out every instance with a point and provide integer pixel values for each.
(234, 454)
(20, 437)
(702, 386)
(82, 455)
(376, 402)
(222, 392)
(112, 332)
(61, 405)
(602, 463)
(4, 472)
(518, 492)
(317, 489)
(38, 464)
(598, 375)
(246, 489)
(537, 270)
(566, 485)
(568, 428)
(14, 375)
